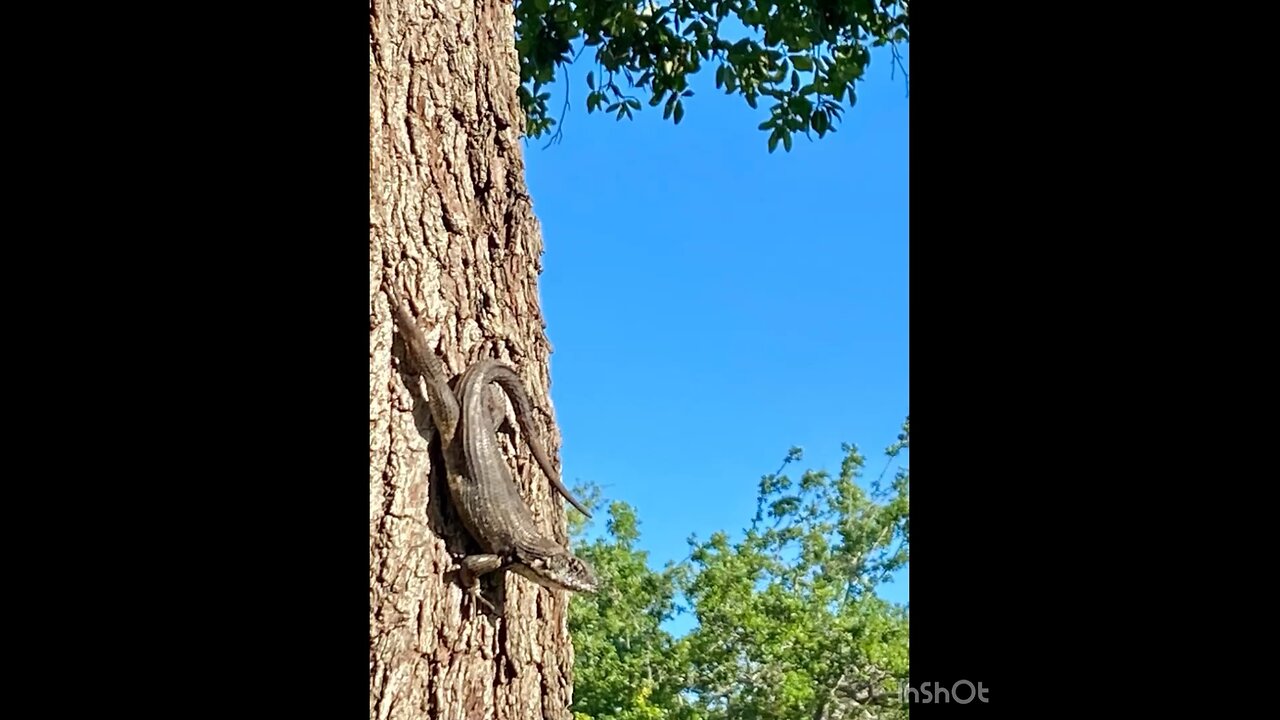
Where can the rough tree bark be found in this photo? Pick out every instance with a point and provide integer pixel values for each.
(451, 230)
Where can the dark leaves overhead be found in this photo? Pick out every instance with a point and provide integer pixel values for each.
(802, 57)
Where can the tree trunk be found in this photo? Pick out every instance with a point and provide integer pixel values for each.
(451, 230)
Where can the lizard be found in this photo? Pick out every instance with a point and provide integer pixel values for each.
(444, 405)
(484, 493)
(490, 504)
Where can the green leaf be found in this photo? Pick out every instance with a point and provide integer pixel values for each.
(832, 42)
(819, 122)
(795, 597)
(679, 113)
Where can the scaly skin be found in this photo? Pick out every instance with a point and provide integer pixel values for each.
(489, 501)
(480, 483)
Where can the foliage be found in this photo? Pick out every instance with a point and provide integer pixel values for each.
(803, 55)
(625, 664)
(789, 625)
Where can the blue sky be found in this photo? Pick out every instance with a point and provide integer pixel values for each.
(711, 305)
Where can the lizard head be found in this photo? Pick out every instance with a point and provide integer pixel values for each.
(562, 571)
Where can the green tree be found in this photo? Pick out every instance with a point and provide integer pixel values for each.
(789, 623)
(626, 667)
(805, 56)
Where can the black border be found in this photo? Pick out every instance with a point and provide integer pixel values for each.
(1011, 517)
(254, 598)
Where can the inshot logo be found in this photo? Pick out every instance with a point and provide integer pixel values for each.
(962, 692)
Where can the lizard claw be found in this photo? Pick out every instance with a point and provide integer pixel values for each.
(476, 598)
(471, 585)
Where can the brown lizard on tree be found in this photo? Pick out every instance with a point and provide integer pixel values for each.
(480, 483)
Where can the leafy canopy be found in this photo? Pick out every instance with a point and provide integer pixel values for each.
(788, 623)
(626, 666)
(803, 55)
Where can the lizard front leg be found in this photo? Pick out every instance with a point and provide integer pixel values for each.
(471, 567)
